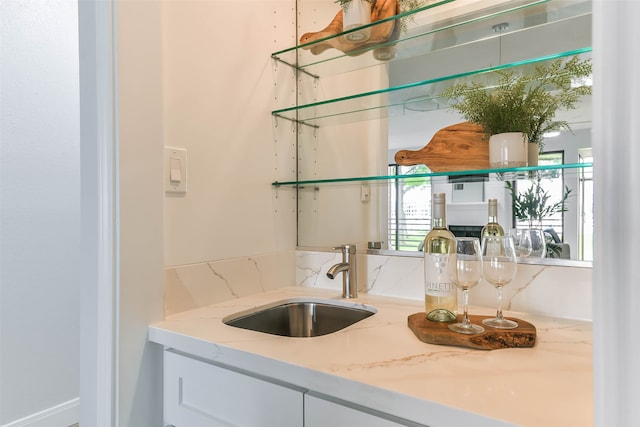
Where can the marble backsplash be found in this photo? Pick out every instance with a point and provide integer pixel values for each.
(555, 291)
(200, 284)
(546, 290)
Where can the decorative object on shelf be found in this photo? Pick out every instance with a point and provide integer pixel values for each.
(353, 15)
(533, 206)
(533, 152)
(508, 150)
(379, 33)
(466, 273)
(554, 87)
(407, 6)
(440, 295)
(457, 147)
(502, 114)
(492, 227)
(500, 266)
(527, 103)
(387, 51)
(491, 339)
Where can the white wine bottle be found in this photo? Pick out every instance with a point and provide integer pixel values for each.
(440, 294)
(493, 228)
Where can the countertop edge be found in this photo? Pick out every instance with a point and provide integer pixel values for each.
(353, 392)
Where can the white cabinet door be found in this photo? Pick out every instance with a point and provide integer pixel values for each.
(322, 413)
(198, 394)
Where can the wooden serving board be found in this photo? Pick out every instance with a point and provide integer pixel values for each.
(439, 333)
(458, 147)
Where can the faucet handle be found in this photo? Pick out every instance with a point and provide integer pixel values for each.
(349, 247)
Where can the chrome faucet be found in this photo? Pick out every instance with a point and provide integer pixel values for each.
(348, 269)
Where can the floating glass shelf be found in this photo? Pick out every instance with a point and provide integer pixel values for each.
(436, 20)
(375, 104)
(525, 172)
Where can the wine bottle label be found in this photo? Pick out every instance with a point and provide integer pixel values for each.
(439, 289)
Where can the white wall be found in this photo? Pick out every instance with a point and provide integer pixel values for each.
(140, 217)
(617, 201)
(39, 212)
(189, 76)
(231, 233)
(218, 95)
(97, 214)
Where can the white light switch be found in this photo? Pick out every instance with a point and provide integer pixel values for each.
(364, 193)
(175, 170)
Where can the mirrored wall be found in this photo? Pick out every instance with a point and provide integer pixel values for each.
(353, 113)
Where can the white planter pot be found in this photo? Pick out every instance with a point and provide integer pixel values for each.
(355, 14)
(508, 150)
(385, 53)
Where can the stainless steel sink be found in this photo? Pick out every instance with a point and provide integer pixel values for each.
(301, 317)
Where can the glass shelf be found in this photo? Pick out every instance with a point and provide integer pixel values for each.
(448, 21)
(380, 103)
(525, 172)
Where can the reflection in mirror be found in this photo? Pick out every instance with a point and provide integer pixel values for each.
(569, 233)
(369, 205)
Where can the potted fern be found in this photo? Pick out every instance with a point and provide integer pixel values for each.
(525, 104)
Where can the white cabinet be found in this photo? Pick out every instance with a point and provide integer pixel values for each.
(322, 413)
(199, 394)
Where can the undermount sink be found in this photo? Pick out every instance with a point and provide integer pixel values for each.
(301, 317)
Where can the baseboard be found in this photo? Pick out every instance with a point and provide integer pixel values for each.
(63, 415)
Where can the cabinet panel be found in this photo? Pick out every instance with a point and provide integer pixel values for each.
(198, 394)
(322, 413)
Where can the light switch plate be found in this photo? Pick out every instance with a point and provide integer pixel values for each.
(175, 170)
(365, 193)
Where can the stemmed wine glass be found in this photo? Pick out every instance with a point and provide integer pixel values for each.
(465, 273)
(532, 243)
(499, 268)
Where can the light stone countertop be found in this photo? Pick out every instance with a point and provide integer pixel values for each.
(379, 363)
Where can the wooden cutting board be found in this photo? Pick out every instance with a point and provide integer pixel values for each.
(458, 147)
(439, 333)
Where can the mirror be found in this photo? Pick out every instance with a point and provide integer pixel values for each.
(359, 210)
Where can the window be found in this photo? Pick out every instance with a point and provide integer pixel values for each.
(553, 184)
(409, 215)
(409, 208)
(585, 235)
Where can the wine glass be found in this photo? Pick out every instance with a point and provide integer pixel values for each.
(499, 268)
(532, 243)
(516, 233)
(465, 273)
